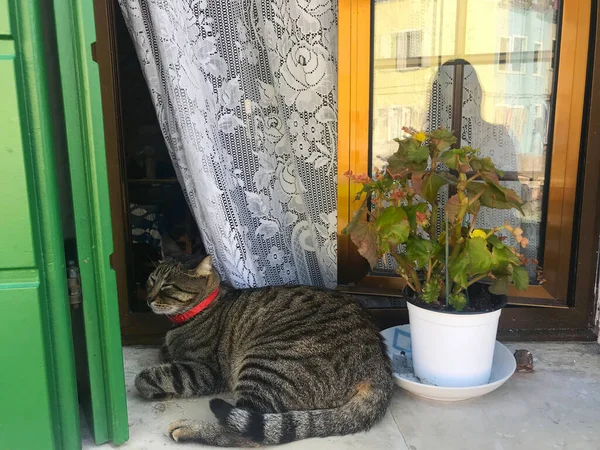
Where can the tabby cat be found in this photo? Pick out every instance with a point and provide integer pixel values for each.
(301, 362)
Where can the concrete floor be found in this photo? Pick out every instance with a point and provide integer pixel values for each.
(555, 407)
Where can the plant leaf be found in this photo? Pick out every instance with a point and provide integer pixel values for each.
(494, 240)
(480, 258)
(502, 256)
(458, 301)
(419, 251)
(452, 208)
(520, 278)
(358, 216)
(431, 290)
(416, 180)
(483, 165)
(411, 156)
(364, 235)
(433, 181)
(411, 213)
(442, 138)
(392, 227)
(474, 259)
(500, 285)
(457, 158)
(495, 196)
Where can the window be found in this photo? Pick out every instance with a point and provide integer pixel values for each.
(512, 118)
(468, 46)
(537, 58)
(517, 57)
(503, 54)
(385, 46)
(408, 50)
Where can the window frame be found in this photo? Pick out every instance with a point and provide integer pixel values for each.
(355, 66)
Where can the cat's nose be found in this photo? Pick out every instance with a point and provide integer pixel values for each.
(149, 300)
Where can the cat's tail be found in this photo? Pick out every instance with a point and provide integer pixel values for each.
(365, 408)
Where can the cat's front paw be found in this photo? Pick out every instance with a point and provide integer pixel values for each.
(149, 387)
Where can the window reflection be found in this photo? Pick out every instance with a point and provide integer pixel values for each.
(497, 57)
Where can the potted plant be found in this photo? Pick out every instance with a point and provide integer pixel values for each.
(457, 278)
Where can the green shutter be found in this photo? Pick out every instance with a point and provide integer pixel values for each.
(37, 375)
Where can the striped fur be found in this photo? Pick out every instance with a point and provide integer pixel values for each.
(301, 362)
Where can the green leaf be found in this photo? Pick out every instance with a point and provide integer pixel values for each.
(480, 258)
(364, 235)
(457, 158)
(520, 278)
(458, 301)
(459, 269)
(411, 156)
(393, 227)
(500, 285)
(417, 153)
(411, 213)
(474, 206)
(474, 259)
(433, 181)
(495, 196)
(483, 165)
(431, 290)
(502, 256)
(494, 240)
(443, 138)
(419, 251)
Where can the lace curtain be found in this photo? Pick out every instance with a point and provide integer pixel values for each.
(245, 93)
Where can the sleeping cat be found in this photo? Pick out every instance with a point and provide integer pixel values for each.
(301, 362)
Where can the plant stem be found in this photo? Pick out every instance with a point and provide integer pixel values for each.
(429, 269)
(476, 279)
(472, 227)
(474, 177)
(410, 271)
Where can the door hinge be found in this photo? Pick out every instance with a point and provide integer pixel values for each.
(94, 56)
(74, 284)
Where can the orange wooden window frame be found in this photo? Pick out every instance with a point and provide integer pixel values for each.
(354, 62)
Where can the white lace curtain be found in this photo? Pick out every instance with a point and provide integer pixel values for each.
(245, 93)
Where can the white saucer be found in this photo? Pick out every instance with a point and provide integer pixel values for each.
(399, 349)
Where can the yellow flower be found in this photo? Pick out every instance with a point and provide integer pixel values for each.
(420, 136)
(478, 234)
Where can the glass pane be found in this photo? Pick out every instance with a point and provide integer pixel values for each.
(506, 52)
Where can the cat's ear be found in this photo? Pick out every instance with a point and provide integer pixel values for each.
(205, 267)
(169, 247)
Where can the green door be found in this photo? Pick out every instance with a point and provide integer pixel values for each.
(99, 351)
(38, 397)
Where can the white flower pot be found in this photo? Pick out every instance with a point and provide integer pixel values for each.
(452, 349)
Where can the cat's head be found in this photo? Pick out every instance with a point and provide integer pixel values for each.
(180, 281)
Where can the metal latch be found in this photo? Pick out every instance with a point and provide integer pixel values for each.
(74, 284)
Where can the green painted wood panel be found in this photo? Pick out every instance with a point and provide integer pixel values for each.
(18, 250)
(24, 386)
(37, 374)
(4, 18)
(104, 396)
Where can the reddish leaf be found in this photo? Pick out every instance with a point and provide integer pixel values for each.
(417, 182)
(452, 208)
(364, 235)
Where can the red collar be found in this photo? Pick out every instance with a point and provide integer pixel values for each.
(180, 318)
